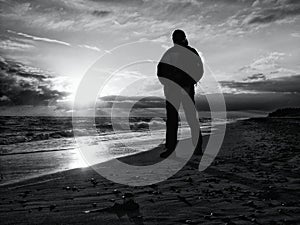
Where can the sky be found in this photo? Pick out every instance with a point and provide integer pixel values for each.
(251, 47)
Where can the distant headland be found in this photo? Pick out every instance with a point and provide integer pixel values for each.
(285, 112)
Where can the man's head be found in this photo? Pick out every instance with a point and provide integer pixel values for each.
(179, 37)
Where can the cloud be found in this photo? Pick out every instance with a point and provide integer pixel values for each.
(270, 63)
(35, 38)
(130, 20)
(154, 106)
(288, 84)
(123, 2)
(55, 15)
(148, 18)
(268, 11)
(4, 98)
(94, 48)
(145, 17)
(101, 13)
(23, 85)
(256, 77)
(295, 35)
(15, 45)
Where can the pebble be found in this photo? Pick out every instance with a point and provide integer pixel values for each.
(183, 199)
(189, 179)
(52, 207)
(156, 192)
(93, 181)
(127, 195)
(151, 200)
(74, 188)
(190, 222)
(67, 188)
(116, 191)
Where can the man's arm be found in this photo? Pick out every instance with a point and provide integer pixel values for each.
(164, 70)
(200, 68)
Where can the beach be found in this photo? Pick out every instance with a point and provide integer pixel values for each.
(254, 180)
(35, 146)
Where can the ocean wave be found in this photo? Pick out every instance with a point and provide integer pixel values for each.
(31, 136)
(31, 129)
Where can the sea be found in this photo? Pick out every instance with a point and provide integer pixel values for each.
(32, 146)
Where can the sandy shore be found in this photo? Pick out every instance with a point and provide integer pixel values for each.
(254, 180)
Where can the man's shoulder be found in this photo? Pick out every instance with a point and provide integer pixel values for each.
(169, 52)
(174, 49)
(171, 49)
(192, 49)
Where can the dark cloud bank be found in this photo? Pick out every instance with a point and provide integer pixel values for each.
(234, 102)
(279, 85)
(272, 11)
(266, 95)
(22, 85)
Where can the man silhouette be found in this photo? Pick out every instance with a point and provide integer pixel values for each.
(179, 70)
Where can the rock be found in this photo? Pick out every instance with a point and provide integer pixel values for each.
(156, 192)
(52, 207)
(190, 222)
(250, 204)
(93, 181)
(74, 188)
(67, 188)
(154, 186)
(116, 191)
(189, 179)
(253, 220)
(226, 219)
(127, 195)
(183, 199)
(151, 200)
(230, 223)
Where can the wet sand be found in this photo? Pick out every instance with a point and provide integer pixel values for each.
(254, 180)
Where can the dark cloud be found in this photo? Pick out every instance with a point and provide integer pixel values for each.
(234, 102)
(281, 85)
(260, 102)
(275, 11)
(119, 1)
(37, 6)
(101, 13)
(264, 18)
(264, 101)
(131, 102)
(257, 76)
(21, 85)
(271, 94)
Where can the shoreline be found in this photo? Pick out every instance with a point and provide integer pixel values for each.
(74, 149)
(125, 158)
(46, 174)
(27, 177)
(253, 180)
